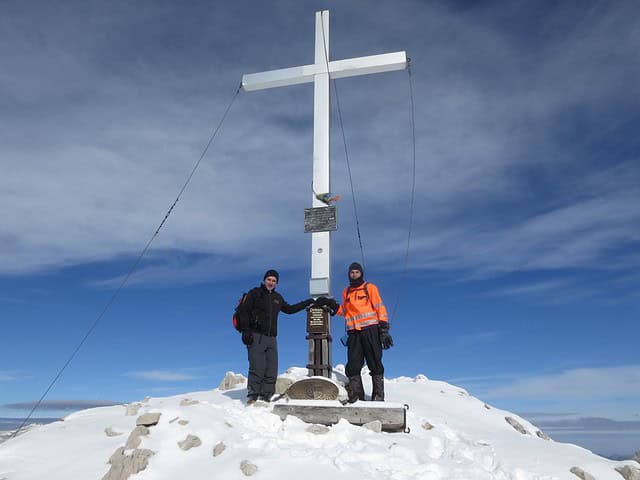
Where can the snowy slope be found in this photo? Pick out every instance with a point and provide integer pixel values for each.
(453, 436)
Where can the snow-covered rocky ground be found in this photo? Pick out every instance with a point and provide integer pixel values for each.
(212, 434)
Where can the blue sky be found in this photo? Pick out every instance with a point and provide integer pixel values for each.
(523, 282)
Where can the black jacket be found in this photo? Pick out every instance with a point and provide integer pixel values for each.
(259, 311)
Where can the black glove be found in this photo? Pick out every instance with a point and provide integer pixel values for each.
(333, 305)
(247, 337)
(328, 302)
(385, 339)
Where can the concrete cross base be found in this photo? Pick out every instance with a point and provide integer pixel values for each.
(392, 416)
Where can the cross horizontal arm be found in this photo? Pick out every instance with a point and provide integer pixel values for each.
(350, 67)
(279, 78)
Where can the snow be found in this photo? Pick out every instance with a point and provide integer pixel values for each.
(468, 440)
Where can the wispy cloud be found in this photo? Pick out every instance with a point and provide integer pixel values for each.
(7, 376)
(161, 375)
(619, 382)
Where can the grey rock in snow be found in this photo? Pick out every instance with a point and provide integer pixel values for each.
(132, 408)
(283, 384)
(134, 437)
(248, 468)
(111, 433)
(123, 466)
(183, 422)
(148, 419)
(187, 402)
(636, 456)
(427, 426)
(219, 448)
(580, 473)
(542, 435)
(629, 472)
(515, 424)
(231, 379)
(318, 429)
(487, 406)
(174, 419)
(190, 442)
(375, 426)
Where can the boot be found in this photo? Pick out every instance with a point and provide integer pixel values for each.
(377, 395)
(355, 390)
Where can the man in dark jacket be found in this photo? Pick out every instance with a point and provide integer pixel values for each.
(258, 319)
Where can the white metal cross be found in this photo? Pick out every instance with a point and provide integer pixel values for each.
(320, 73)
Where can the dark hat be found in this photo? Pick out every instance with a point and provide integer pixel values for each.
(271, 273)
(355, 266)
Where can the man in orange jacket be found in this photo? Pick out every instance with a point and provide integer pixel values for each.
(367, 325)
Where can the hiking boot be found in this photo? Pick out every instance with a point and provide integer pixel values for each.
(355, 390)
(377, 395)
(251, 401)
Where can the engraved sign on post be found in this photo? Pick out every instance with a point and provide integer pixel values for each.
(317, 320)
(320, 219)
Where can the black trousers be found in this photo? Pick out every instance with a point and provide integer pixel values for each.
(364, 345)
(263, 366)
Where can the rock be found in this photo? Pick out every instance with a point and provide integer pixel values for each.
(123, 466)
(111, 433)
(132, 408)
(636, 456)
(146, 399)
(515, 424)
(427, 426)
(231, 379)
(148, 419)
(187, 402)
(219, 448)
(375, 426)
(174, 419)
(248, 468)
(542, 435)
(190, 442)
(283, 384)
(578, 472)
(318, 429)
(420, 378)
(134, 437)
(487, 406)
(629, 472)
(183, 422)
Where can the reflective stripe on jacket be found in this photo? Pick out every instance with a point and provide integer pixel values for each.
(362, 311)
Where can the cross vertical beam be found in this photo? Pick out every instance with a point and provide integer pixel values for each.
(320, 283)
(320, 72)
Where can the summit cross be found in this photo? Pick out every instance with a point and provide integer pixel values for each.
(320, 73)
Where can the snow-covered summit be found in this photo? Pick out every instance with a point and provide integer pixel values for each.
(212, 434)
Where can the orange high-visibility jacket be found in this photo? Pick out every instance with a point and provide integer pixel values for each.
(362, 311)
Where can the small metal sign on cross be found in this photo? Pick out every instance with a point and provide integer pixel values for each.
(320, 73)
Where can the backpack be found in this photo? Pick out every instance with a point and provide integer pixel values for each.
(235, 319)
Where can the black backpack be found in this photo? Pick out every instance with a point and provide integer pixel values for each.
(236, 321)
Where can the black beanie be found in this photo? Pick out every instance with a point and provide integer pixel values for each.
(271, 273)
(355, 266)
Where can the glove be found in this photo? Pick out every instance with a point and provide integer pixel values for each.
(247, 337)
(328, 302)
(333, 305)
(385, 339)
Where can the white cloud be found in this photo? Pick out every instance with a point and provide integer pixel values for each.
(618, 382)
(6, 376)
